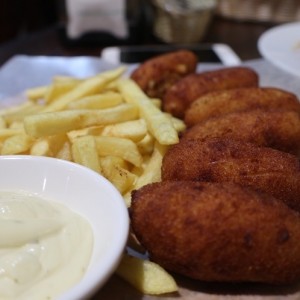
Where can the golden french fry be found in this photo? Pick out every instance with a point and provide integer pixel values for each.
(16, 144)
(98, 101)
(64, 79)
(58, 89)
(65, 152)
(17, 125)
(21, 114)
(84, 152)
(37, 93)
(152, 170)
(3, 124)
(158, 123)
(120, 147)
(93, 130)
(178, 124)
(146, 145)
(134, 130)
(157, 102)
(146, 276)
(117, 174)
(41, 147)
(44, 124)
(85, 88)
(16, 108)
(8, 132)
(48, 146)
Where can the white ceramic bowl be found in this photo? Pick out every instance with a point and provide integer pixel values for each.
(85, 192)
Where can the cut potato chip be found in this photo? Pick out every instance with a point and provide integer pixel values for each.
(146, 276)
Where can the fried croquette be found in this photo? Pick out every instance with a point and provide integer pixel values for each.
(269, 128)
(218, 103)
(181, 94)
(218, 232)
(226, 160)
(157, 74)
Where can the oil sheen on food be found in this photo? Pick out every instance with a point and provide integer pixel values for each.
(45, 247)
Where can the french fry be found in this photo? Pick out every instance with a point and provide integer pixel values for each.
(85, 88)
(36, 93)
(16, 144)
(64, 78)
(48, 146)
(157, 102)
(114, 169)
(65, 152)
(134, 130)
(119, 147)
(158, 123)
(84, 152)
(146, 145)
(44, 124)
(98, 101)
(152, 171)
(8, 132)
(19, 115)
(58, 89)
(146, 276)
(178, 124)
(3, 124)
(16, 125)
(41, 148)
(93, 130)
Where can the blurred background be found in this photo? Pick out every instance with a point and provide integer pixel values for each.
(146, 22)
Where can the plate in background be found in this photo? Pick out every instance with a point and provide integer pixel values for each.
(281, 46)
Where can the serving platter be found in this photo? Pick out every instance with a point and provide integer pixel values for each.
(116, 288)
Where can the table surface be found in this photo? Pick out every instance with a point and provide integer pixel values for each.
(241, 36)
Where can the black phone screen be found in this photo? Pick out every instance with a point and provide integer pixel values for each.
(139, 55)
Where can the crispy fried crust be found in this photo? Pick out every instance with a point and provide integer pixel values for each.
(273, 128)
(219, 103)
(179, 96)
(157, 74)
(218, 232)
(226, 160)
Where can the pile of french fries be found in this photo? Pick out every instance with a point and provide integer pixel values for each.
(106, 123)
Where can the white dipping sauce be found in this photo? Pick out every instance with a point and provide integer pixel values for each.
(45, 247)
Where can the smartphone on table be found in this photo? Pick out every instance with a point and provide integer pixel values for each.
(210, 53)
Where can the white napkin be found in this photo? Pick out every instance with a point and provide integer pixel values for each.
(96, 15)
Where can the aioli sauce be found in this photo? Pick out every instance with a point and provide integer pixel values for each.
(45, 247)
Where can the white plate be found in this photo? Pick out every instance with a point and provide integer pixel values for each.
(281, 46)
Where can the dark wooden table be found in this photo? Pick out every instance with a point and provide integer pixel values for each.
(241, 36)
